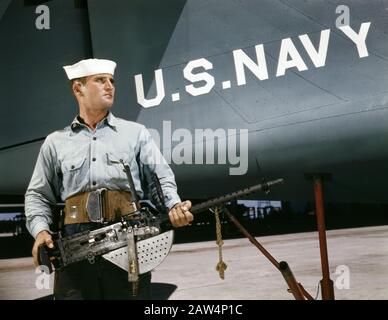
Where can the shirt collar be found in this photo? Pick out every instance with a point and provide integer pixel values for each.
(110, 119)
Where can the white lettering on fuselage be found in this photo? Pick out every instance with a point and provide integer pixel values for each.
(202, 81)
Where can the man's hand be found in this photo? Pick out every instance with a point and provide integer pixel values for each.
(43, 237)
(180, 215)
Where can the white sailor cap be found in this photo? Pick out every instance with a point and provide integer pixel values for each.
(89, 67)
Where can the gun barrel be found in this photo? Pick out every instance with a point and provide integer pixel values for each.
(234, 195)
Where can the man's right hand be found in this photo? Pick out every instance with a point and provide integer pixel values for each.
(43, 237)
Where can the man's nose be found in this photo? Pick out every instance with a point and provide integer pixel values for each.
(109, 84)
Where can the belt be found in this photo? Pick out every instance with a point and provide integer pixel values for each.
(98, 206)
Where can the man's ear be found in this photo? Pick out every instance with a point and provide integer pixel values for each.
(77, 88)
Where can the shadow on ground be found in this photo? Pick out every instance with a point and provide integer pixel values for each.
(159, 291)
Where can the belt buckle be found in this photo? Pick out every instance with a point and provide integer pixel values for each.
(95, 205)
(133, 207)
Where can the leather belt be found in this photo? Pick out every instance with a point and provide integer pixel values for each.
(98, 206)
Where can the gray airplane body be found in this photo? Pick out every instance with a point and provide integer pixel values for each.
(285, 84)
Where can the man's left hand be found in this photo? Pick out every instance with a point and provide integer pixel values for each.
(180, 215)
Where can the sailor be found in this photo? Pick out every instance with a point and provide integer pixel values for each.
(87, 156)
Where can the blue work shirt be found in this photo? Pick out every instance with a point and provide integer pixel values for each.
(77, 159)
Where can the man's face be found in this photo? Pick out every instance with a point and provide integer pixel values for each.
(98, 91)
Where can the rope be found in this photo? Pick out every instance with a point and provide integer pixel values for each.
(221, 265)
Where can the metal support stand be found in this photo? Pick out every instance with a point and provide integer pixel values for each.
(295, 288)
(327, 286)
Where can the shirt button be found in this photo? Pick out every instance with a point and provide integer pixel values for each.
(94, 183)
(94, 159)
(72, 167)
(94, 138)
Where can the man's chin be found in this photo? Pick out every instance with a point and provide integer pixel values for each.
(108, 105)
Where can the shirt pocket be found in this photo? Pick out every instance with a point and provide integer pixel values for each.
(74, 172)
(115, 168)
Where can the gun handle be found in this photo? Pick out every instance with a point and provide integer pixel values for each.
(165, 223)
(44, 258)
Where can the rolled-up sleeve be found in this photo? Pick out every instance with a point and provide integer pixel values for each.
(152, 160)
(41, 192)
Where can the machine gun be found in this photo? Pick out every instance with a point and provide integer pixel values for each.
(125, 243)
(136, 243)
